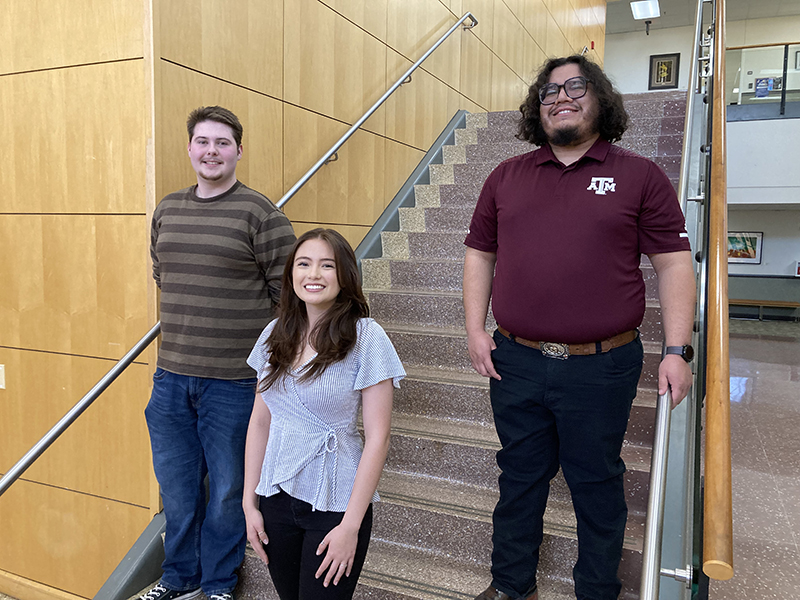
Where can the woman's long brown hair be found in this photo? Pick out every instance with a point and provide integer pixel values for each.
(335, 333)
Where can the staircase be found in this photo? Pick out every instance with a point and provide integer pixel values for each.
(432, 529)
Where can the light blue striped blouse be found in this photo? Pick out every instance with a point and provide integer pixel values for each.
(314, 445)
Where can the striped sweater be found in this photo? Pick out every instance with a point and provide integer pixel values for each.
(218, 262)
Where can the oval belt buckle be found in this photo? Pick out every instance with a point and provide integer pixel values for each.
(555, 350)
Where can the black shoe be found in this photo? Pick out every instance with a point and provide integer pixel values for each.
(159, 592)
(492, 594)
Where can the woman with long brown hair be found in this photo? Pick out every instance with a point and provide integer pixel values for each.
(309, 485)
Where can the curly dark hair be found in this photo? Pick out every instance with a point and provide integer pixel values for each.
(336, 331)
(612, 120)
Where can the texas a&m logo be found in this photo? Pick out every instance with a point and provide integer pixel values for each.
(601, 185)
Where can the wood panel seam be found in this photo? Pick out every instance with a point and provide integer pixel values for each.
(63, 67)
(54, 352)
(66, 489)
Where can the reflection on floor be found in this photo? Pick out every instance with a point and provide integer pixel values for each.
(765, 449)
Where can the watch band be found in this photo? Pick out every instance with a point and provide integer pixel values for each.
(685, 352)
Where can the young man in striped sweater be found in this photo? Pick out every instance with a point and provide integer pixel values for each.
(218, 251)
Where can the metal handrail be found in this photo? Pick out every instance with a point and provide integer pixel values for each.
(404, 78)
(51, 436)
(654, 527)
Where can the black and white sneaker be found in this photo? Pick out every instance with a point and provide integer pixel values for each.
(159, 592)
(226, 596)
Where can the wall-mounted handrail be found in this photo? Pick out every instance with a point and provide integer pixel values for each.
(403, 79)
(51, 436)
(718, 516)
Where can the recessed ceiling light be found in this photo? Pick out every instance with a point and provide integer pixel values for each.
(645, 9)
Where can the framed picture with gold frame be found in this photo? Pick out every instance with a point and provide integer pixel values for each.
(664, 69)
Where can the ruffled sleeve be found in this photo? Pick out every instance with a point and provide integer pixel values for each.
(376, 357)
(259, 354)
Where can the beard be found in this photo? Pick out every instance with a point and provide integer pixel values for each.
(565, 136)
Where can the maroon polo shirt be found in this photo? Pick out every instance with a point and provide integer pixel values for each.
(569, 240)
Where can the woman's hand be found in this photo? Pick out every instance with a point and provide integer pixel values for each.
(340, 544)
(255, 532)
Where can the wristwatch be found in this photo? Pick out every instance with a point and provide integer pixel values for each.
(685, 352)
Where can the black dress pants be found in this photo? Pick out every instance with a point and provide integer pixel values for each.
(570, 413)
(295, 531)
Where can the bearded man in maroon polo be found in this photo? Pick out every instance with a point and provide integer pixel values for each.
(556, 241)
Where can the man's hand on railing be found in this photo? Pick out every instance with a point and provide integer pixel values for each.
(675, 373)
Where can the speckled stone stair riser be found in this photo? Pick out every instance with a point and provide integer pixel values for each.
(447, 275)
(255, 584)
(670, 164)
(494, 154)
(475, 173)
(443, 275)
(470, 540)
(450, 352)
(448, 311)
(453, 219)
(461, 195)
(438, 244)
(477, 466)
(471, 403)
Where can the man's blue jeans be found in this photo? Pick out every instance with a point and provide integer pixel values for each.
(573, 413)
(197, 427)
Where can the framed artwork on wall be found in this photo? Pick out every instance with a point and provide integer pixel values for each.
(664, 70)
(745, 247)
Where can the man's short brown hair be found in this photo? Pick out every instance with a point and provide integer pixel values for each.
(219, 115)
(612, 120)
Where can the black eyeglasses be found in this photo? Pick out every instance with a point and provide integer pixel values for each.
(574, 87)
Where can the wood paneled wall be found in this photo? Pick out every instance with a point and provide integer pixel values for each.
(313, 68)
(73, 242)
(94, 96)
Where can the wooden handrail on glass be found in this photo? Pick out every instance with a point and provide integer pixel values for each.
(718, 516)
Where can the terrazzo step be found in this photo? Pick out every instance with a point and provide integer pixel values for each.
(403, 245)
(417, 274)
(455, 520)
(465, 453)
(450, 219)
(398, 572)
(465, 397)
(440, 308)
(446, 348)
(447, 195)
(459, 173)
(444, 274)
(495, 153)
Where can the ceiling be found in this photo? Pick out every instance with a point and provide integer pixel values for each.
(679, 13)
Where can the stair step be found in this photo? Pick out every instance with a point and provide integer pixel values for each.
(465, 397)
(440, 244)
(465, 452)
(441, 308)
(446, 348)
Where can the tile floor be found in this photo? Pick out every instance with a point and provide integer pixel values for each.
(765, 453)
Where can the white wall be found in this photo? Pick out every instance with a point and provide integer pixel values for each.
(627, 55)
(781, 242)
(763, 162)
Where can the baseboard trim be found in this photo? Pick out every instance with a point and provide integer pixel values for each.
(27, 589)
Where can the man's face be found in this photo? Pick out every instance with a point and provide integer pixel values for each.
(569, 122)
(213, 152)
